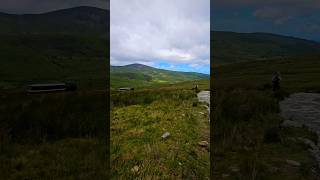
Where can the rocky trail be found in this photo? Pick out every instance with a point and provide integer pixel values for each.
(303, 110)
(204, 96)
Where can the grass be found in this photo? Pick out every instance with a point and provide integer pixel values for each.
(247, 138)
(53, 136)
(138, 120)
(71, 158)
(58, 135)
(27, 59)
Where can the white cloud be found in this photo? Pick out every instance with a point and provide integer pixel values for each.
(175, 31)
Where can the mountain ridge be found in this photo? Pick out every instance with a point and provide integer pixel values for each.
(141, 66)
(77, 20)
(258, 46)
(140, 75)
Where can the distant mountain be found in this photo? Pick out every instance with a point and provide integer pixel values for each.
(231, 47)
(79, 20)
(134, 75)
(64, 45)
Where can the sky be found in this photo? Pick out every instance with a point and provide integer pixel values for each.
(167, 34)
(40, 6)
(299, 18)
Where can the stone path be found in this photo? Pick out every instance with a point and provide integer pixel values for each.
(303, 109)
(204, 96)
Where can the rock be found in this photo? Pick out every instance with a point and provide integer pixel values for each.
(289, 123)
(165, 135)
(246, 148)
(308, 143)
(135, 169)
(293, 163)
(225, 175)
(274, 169)
(203, 143)
(304, 109)
(204, 96)
(234, 169)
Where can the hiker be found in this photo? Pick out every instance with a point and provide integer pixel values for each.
(276, 81)
(196, 88)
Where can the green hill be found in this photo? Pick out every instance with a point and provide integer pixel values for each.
(64, 45)
(231, 47)
(137, 75)
(79, 20)
(29, 59)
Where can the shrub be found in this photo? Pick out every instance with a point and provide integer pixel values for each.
(272, 135)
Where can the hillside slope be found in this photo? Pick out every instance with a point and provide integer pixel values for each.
(231, 47)
(142, 75)
(79, 20)
(64, 45)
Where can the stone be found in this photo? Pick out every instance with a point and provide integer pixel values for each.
(225, 175)
(203, 143)
(308, 143)
(165, 135)
(289, 123)
(135, 169)
(293, 163)
(234, 169)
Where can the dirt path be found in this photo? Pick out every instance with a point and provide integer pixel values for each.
(303, 109)
(204, 96)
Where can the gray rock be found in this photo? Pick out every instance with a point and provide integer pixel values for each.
(293, 163)
(203, 143)
(165, 135)
(225, 175)
(309, 143)
(289, 123)
(234, 169)
(303, 109)
(204, 96)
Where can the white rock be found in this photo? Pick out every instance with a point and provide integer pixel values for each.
(165, 135)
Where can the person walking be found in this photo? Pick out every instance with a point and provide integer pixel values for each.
(196, 88)
(276, 81)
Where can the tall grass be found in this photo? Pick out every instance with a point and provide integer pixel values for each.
(53, 136)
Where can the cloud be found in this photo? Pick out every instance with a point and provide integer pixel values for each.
(313, 4)
(174, 31)
(280, 12)
(40, 6)
(276, 14)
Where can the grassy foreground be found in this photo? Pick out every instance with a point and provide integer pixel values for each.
(248, 141)
(138, 120)
(53, 136)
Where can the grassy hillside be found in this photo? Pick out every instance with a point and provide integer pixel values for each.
(248, 141)
(231, 47)
(29, 59)
(78, 20)
(140, 118)
(58, 135)
(137, 75)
